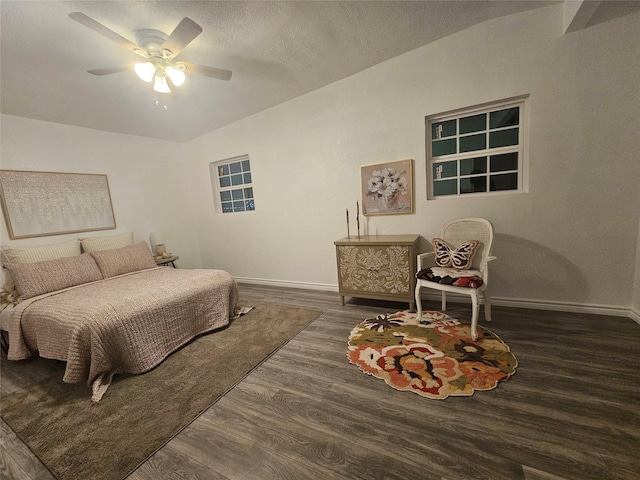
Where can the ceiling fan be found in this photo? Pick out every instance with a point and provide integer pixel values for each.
(159, 52)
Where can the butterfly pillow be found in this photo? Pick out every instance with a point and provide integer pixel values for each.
(459, 257)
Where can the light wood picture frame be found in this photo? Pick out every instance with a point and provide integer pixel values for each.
(38, 204)
(387, 188)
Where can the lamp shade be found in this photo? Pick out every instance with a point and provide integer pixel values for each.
(145, 71)
(175, 75)
(156, 238)
(161, 85)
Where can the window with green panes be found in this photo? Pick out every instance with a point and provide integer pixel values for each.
(477, 149)
(232, 184)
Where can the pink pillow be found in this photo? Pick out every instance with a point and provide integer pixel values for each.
(33, 279)
(124, 260)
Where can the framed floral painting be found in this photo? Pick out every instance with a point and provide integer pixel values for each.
(387, 188)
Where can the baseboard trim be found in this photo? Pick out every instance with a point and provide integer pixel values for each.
(287, 283)
(498, 301)
(541, 305)
(563, 307)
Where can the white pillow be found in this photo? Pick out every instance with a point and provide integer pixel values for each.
(96, 244)
(40, 253)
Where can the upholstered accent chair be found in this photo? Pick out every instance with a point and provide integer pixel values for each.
(459, 264)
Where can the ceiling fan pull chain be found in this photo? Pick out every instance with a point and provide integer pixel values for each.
(164, 101)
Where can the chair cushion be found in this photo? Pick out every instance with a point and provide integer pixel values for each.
(459, 257)
(452, 276)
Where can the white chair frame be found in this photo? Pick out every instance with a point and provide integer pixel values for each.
(456, 232)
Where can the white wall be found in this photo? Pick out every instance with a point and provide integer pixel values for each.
(571, 240)
(147, 185)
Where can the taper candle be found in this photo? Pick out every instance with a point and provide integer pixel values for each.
(358, 217)
(348, 234)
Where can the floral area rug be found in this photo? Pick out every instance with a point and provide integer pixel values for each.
(435, 359)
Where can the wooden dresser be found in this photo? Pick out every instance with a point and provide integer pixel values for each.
(382, 267)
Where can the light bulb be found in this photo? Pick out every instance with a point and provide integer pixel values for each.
(145, 71)
(175, 75)
(161, 85)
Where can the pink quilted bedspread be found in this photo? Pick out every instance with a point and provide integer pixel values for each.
(124, 324)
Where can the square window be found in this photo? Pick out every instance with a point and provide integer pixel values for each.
(475, 123)
(445, 187)
(473, 142)
(483, 148)
(473, 184)
(443, 129)
(503, 138)
(443, 147)
(507, 181)
(445, 170)
(471, 166)
(231, 181)
(504, 162)
(236, 180)
(504, 118)
(237, 194)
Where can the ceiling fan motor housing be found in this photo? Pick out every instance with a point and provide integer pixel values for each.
(151, 40)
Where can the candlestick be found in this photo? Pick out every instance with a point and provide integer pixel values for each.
(348, 235)
(358, 217)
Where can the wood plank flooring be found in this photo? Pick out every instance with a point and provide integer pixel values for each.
(571, 411)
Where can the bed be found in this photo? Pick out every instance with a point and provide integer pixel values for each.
(112, 311)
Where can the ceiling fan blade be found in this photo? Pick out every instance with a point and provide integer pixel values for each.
(212, 72)
(104, 31)
(182, 36)
(110, 70)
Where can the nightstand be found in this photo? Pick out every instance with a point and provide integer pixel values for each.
(161, 262)
(378, 266)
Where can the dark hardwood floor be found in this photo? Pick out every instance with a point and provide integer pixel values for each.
(571, 411)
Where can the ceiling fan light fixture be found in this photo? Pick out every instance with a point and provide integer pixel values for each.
(161, 85)
(145, 71)
(176, 75)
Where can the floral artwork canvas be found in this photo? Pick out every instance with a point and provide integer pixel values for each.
(387, 188)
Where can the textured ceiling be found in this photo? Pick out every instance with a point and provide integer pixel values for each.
(276, 50)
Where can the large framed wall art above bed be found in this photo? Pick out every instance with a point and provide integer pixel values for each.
(37, 204)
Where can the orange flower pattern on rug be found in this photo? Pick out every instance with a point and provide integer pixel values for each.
(435, 359)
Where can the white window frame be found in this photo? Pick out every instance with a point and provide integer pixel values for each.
(522, 148)
(218, 189)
